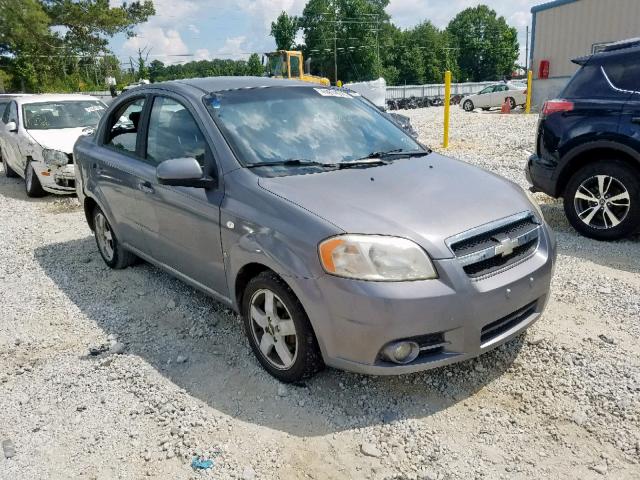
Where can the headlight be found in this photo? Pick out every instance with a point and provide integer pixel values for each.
(534, 203)
(55, 157)
(375, 257)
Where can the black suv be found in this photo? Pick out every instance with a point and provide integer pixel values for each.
(588, 144)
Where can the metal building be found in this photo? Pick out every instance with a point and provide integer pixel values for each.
(566, 29)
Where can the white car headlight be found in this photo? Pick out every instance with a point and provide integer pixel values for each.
(375, 257)
(55, 157)
(534, 203)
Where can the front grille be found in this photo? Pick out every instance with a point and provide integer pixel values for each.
(488, 249)
(503, 324)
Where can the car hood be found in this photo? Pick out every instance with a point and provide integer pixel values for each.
(58, 139)
(426, 199)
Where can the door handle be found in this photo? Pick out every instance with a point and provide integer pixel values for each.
(146, 187)
(635, 120)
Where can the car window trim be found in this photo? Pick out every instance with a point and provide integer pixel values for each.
(210, 164)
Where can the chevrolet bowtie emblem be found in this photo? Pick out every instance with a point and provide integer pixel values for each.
(507, 245)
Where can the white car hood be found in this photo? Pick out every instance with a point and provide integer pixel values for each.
(61, 139)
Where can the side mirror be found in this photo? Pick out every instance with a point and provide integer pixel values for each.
(12, 127)
(183, 172)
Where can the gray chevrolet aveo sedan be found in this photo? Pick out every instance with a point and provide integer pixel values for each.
(339, 239)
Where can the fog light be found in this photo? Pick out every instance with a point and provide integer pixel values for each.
(401, 352)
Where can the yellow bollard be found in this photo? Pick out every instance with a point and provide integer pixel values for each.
(529, 83)
(447, 103)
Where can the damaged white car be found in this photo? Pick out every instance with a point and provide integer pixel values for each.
(37, 135)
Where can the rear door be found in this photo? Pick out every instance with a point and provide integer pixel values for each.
(123, 178)
(500, 92)
(483, 99)
(188, 218)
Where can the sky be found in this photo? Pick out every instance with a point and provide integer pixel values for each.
(185, 30)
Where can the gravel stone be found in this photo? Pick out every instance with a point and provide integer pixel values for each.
(8, 448)
(370, 450)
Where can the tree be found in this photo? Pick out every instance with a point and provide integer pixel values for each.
(156, 70)
(55, 44)
(254, 66)
(353, 24)
(486, 47)
(284, 31)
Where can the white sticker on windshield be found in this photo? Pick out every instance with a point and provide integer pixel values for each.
(326, 92)
(93, 109)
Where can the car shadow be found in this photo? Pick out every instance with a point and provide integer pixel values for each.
(621, 255)
(159, 318)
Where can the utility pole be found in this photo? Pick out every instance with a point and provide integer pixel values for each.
(526, 58)
(335, 42)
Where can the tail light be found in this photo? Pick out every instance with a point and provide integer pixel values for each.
(554, 106)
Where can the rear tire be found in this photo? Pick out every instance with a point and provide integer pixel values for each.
(468, 106)
(265, 321)
(111, 251)
(512, 103)
(32, 183)
(602, 200)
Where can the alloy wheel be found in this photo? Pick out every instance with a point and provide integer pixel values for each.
(602, 202)
(273, 329)
(104, 236)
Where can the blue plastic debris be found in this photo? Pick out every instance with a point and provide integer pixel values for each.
(200, 463)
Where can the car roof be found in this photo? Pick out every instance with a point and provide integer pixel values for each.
(217, 84)
(54, 97)
(612, 51)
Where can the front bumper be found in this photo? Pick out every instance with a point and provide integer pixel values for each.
(354, 320)
(58, 180)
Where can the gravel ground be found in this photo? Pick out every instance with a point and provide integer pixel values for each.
(129, 374)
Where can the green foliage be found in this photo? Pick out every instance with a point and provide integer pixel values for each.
(486, 47)
(254, 66)
(284, 31)
(61, 44)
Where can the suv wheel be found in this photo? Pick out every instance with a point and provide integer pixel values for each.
(468, 106)
(112, 252)
(279, 330)
(602, 200)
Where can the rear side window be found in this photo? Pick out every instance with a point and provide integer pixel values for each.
(122, 131)
(590, 82)
(625, 74)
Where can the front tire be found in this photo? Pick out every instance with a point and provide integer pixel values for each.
(111, 251)
(8, 171)
(279, 330)
(468, 106)
(602, 200)
(32, 183)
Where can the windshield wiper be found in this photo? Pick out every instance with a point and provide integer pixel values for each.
(397, 153)
(365, 162)
(292, 162)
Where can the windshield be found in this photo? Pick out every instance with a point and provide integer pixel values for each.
(323, 125)
(65, 114)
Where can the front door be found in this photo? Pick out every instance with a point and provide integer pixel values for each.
(188, 218)
(124, 179)
(10, 142)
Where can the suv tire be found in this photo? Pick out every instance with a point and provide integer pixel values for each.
(285, 311)
(602, 200)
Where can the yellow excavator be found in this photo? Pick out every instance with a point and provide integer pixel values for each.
(290, 65)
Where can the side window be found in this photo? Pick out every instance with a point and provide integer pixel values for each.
(11, 113)
(173, 133)
(501, 88)
(123, 126)
(3, 109)
(486, 90)
(295, 66)
(625, 74)
(589, 82)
